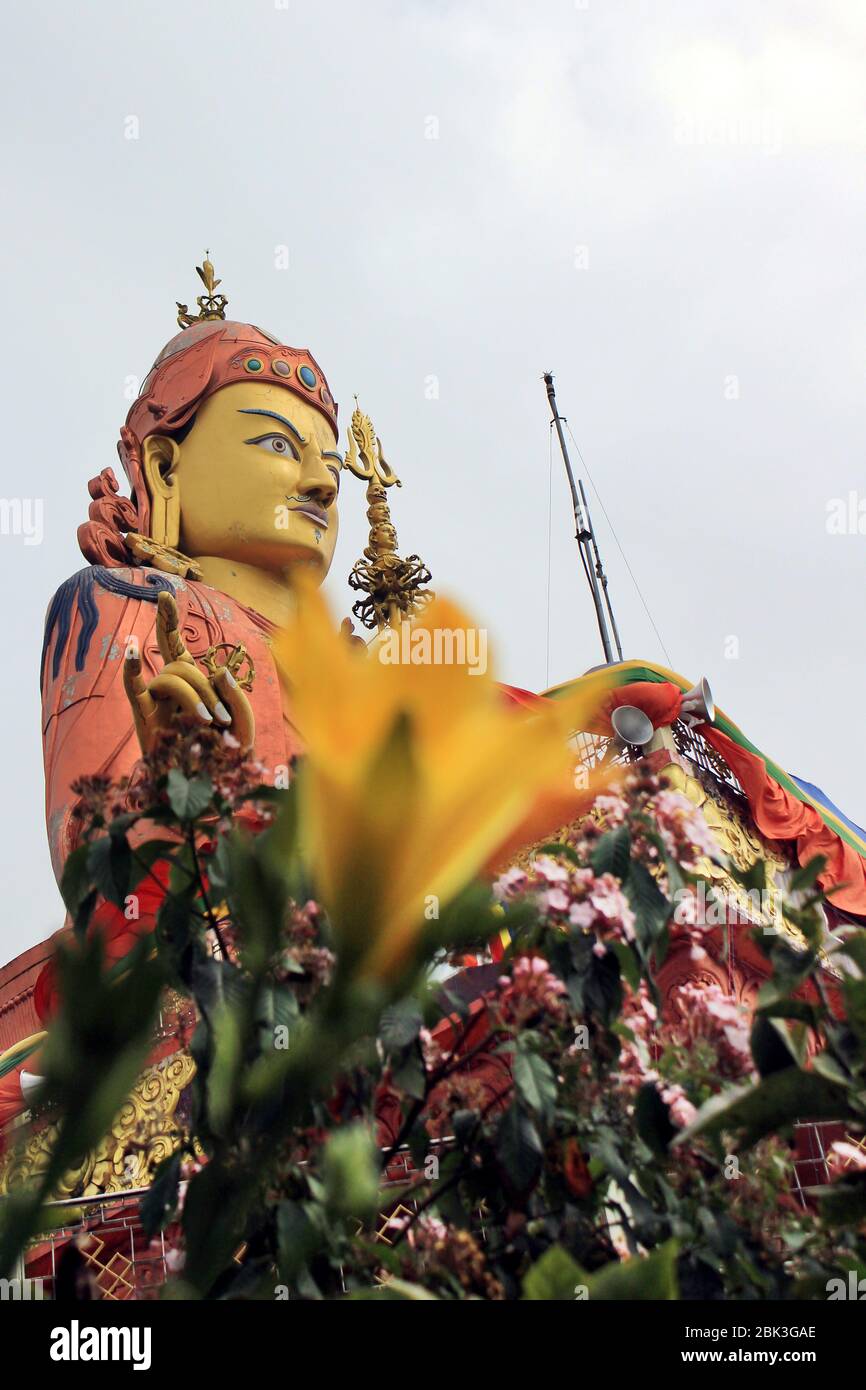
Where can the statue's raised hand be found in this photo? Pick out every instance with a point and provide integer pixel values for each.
(181, 688)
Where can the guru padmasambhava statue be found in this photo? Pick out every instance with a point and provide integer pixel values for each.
(231, 455)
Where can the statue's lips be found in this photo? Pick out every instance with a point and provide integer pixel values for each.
(319, 517)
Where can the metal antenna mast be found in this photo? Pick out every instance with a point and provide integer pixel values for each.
(585, 537)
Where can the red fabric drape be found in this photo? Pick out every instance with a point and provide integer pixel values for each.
(781, 816)
(660, 701)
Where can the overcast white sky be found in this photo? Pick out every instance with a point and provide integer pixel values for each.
(663, 203)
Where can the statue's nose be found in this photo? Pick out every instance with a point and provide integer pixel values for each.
(317, 480)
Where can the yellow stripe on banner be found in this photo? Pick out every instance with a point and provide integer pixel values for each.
(20, 1051)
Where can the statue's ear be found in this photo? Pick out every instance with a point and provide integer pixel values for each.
(160, 456)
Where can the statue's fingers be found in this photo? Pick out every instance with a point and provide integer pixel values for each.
(174, 693)
(136, 687)
(171, 644)
(189, 672)
(138, 695)
(243, 719)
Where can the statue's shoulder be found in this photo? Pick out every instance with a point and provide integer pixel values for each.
(84, 614)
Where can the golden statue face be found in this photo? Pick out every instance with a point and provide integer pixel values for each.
(255, 480)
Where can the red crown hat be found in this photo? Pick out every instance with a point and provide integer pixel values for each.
(211, 352)
(215, 353)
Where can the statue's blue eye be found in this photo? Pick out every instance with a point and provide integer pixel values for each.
(275, 444)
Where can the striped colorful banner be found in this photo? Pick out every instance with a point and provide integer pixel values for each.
(627, 671)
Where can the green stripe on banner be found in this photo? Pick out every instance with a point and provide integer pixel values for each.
(636, 671)
(14, 1058)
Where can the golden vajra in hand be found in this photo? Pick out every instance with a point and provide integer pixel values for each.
(182, 688)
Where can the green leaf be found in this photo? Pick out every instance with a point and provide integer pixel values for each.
(773, 1006)
(519, 1148)
(557, 850)
(648, 903)
(826, 1065)
(145, 856)
(845, 1203)
(465, 1123)
(159, 1203)
(602, 988)
(807, 876)
(628, 963)
(535, 1081)
(278, 1008)
(652, 1278)
(77, 879)
(188, 796)
(400, 1024)
(775, 1045)
(224, 1075)
(776, 1103)
(297, 1239)
(258, 894)
(754, 878)
(419, 1144)
(351, 1172)
(653, 1120)
(109, 863)
(471, 919)
(612, 853)
(556, 1277)
(408, 1073)
(855, 1004)
(854, 946)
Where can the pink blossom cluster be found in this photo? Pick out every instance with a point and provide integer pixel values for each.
(690, 923)
(572, 896)
(694, 1013)
(705, 1012)
(303, 962)
(612, 809)
(684, 830)
(530, 992)
(680, 1108)
(641, 1018)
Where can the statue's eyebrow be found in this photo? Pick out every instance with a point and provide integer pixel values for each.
(329, 454)
(282, 419)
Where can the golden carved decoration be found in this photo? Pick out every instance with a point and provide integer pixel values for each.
(210, 305)
(162, 557)
(744, 846)
(144, 1132)
(393, 588)
(236, 656)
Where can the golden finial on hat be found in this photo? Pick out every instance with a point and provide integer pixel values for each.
(211, 305)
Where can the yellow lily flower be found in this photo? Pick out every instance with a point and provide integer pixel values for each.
(418, 772)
